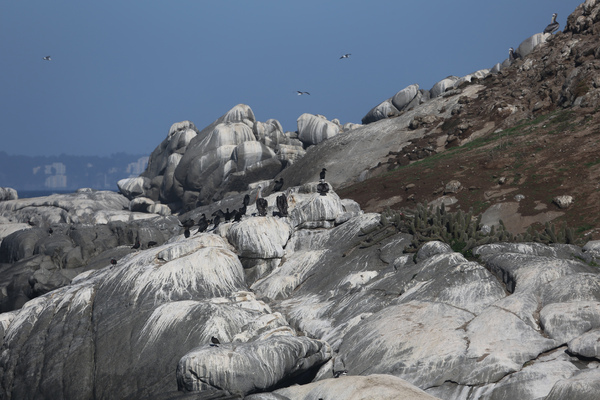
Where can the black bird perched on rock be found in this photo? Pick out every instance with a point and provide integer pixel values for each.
(220, 213)
(238, 215)
(50, 231)
(552, 26)
(323, 188)
(301, 93)
(282, 205)
(113, 261)
(246, 199)
(214, 342)
(186, 232)
(228, 215)
(216, 221)
(152, 243)
(261, 204)
(347, 55)
(47, 58)
(242, 211)
(278, 185)
(337, 374)
(137, 244)
(188, 223)
(322, 174)
(202, 224)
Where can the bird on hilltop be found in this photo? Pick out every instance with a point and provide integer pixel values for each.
(323, 188)
(322, 174)
(202, 224)
(261, 204)
(552, 26)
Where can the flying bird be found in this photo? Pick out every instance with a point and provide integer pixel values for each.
(553, 26)
(347, 55)
(47, 58)
(301, 93)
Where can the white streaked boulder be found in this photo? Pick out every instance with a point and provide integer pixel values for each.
(233, 367)
(440, 87)
(376, 386)
(260, 237)
(7, 193)
(313, 129)
(133, 187)
(531, 42)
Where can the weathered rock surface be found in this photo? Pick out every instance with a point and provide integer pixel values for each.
(8, 194)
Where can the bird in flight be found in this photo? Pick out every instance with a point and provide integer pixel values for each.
(347, 55)
(47, 58)
(301, 93)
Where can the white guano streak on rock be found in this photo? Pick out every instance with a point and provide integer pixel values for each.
(286, 278)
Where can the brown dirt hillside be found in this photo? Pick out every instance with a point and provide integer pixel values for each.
(548, 144)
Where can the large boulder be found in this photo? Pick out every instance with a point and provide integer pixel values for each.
(8, 194)
(313, 129)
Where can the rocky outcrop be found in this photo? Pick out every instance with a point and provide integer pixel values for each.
(8, 194)
(313, 129)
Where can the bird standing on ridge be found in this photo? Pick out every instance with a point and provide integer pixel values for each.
(282, 205)
(202, 224)
(137, 244)
(214, 342)
(347, 55)
(552, 26)
(322, 174)
(261, 204)
(47, 58)
(323, 188)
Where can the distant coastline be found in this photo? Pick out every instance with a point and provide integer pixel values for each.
(27, 194)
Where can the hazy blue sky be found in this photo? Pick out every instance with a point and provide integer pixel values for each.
(122, 72)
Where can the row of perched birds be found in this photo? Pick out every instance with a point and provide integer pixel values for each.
(551, 28)
(261, 208)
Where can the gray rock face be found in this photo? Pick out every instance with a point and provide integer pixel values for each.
(313, 129)
(8, 194)
(233, 366)
(383, 387)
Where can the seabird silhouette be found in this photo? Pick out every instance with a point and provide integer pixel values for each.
(301, 93)
(137, 244)
(238, 215)
(202, 224)
(322, 174)
(323, 188)
(552, 26)
(347, 55)
(278, 185)
(113, 261)
(186, 232)
(216, 221)
(50, 231)
(282, 205)
(228, 215)
(261, 204)
(214, 342)
(47, 58)
(246, 200)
